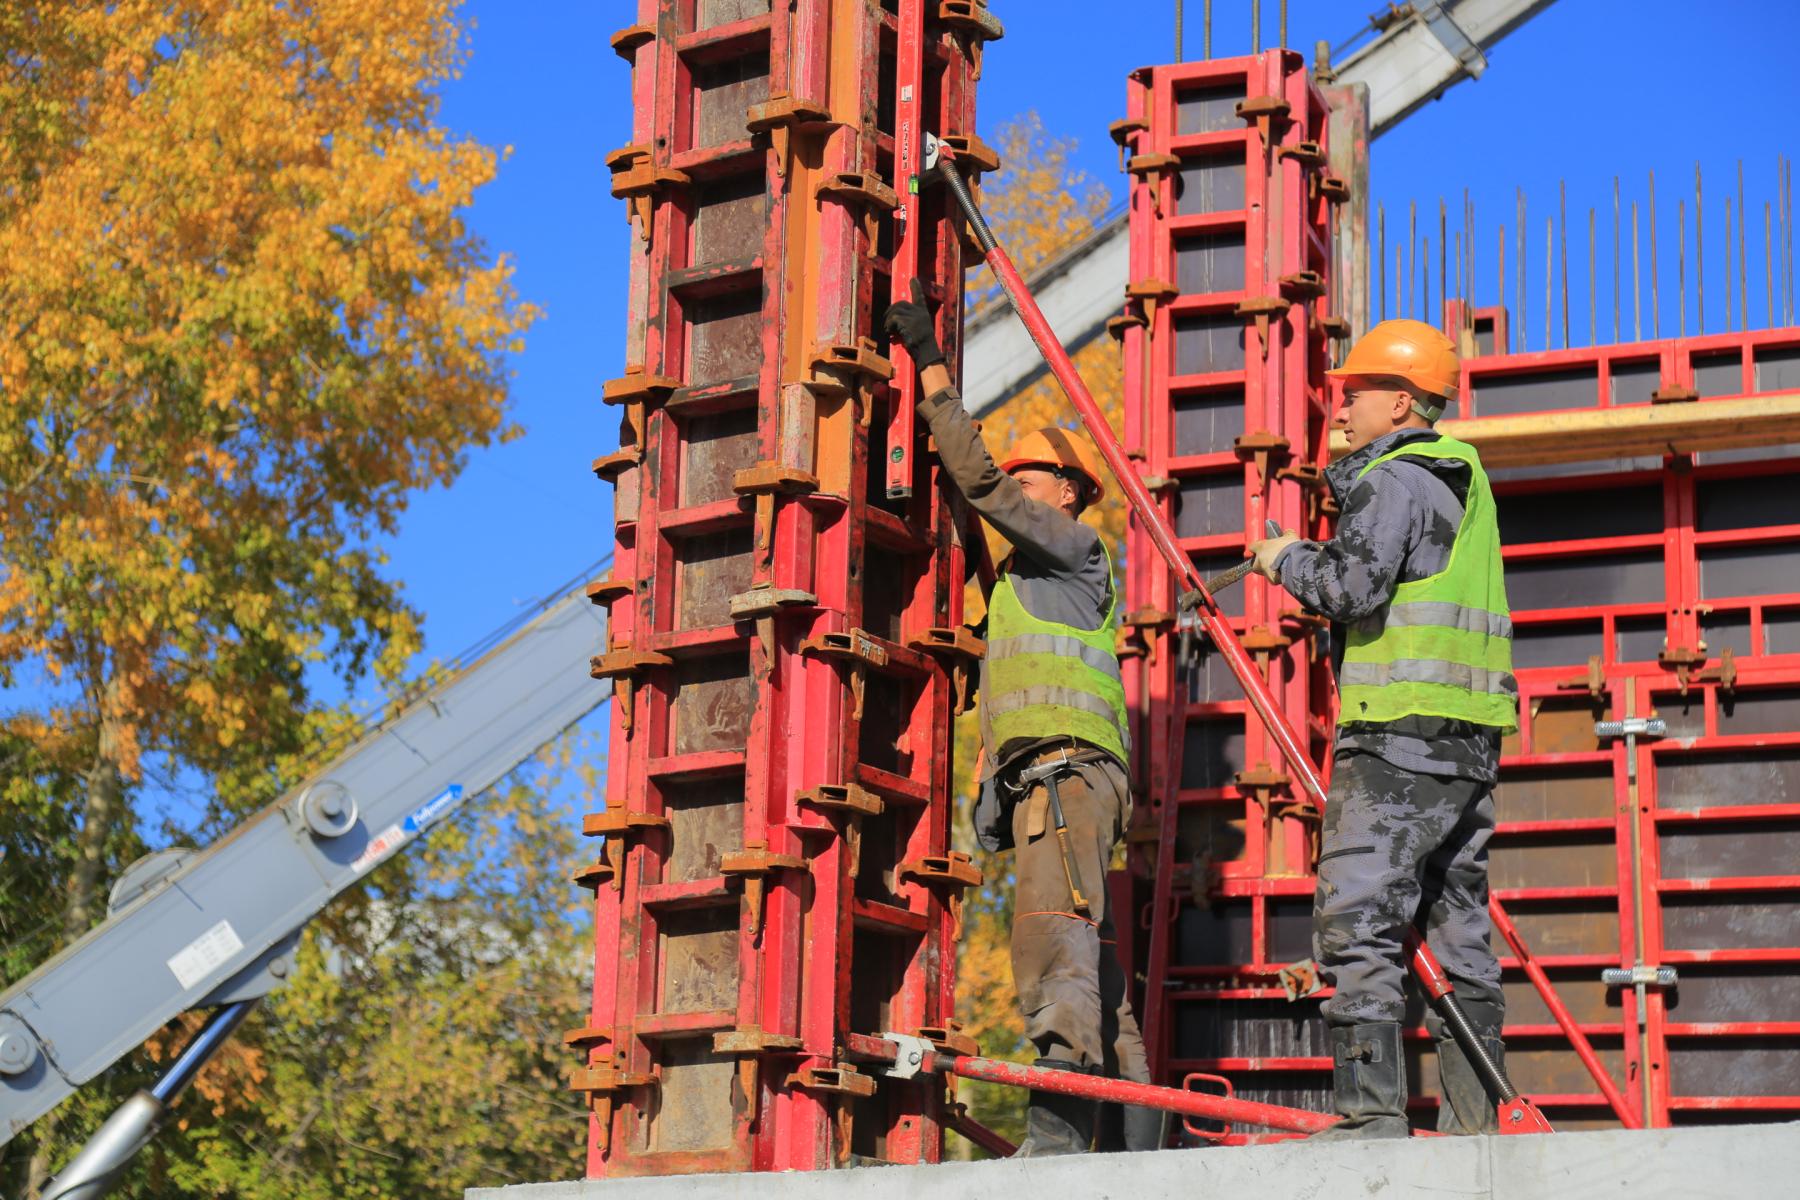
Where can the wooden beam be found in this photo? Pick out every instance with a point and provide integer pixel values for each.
(1638, 430)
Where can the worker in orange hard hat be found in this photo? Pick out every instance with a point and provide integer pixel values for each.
(1413, 585)
(1054, 727)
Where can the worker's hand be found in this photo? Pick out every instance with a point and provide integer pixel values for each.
(910, 322)
(1267, 551)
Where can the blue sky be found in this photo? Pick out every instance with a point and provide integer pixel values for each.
(1586, 90)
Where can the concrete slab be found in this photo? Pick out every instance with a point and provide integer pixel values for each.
(1727, 1160)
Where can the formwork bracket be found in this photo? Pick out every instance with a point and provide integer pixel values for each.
(608, 467)
(850, 802)
(618, 826)
(602, 592)
(954, 872)
(864, 191)
(626, 41)
(636, 387)
(601, 1084)
(1153, 169)
(637, 180)
(783, 118)
(1149, 293)
(623, 667)
(1594, 682)
(949, 1038)
(859, 648)
(750, 1045)
(1262, 309)
(753, 864)
(961, 651)
(971, 21)
(765, 481)
(1259, 447)
(1308, 154)
(1124, 133)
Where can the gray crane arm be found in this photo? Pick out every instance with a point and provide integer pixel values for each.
(213, 927)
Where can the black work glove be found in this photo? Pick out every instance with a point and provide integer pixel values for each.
(910, 322)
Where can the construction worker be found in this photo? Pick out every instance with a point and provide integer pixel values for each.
(1412, 583)
(1054, 728)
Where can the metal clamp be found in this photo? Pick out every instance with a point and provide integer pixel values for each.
(1664, 977)
(1632, 727)
(910, 1055)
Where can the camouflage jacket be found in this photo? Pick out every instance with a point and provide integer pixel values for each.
(1397, 523)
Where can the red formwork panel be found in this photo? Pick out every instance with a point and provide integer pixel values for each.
(1665, 586)
(785, 611)
(1226, 337)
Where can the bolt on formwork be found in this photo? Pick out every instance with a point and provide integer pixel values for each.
(785, 636)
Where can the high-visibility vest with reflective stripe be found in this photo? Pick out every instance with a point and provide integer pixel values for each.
(1444, 646)
(1042, 679)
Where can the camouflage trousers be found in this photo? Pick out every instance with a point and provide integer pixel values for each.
(1066, 968)
(1401, 850)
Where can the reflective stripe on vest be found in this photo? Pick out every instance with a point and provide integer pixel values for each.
(1043, 679)
(1443, 647)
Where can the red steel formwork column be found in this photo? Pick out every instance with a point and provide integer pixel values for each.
(1661, 585)
(1226, 337)
(785, 637)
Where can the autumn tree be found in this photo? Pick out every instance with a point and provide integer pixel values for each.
(1039, 206)
(243, 323)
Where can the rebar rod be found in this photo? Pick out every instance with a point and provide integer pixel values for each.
(1592, 286)
(1502, 346)
(1769, 258)
(1256, 26)
(1443, 261)
(1549, 276)
(1637, 307)
(1655, 301)
(1206, 31)
(1562, 245)
(1177, 30)
(1381, 255)
(1743, 252)
(1284, 4)
(1412, 242)
(1729, 313)
(1615, 261)
(1699, 258)
(1523, 285)
(1681, 267)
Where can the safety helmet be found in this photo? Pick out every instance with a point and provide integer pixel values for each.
(1409, 350)
(1062, 451)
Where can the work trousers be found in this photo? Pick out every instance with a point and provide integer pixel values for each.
(1066, 969)
(1401, 849)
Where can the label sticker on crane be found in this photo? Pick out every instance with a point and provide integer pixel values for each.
(432, 809)
(205, 954)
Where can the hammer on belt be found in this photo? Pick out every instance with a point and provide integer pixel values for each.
(1047, 773)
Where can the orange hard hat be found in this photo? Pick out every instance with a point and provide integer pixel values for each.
(1409, 350)
(1061, 450)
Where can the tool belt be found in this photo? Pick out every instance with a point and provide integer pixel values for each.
(1065, 750)
(1046, 765)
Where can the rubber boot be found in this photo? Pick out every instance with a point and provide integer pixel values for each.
(1057, 1124)
(1467, 1106)
(1128, 1127)
(1368, 1075)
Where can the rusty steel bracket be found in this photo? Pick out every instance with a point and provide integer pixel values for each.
(1300, 979)
(864, 190)
(1138, 630)
(1305, 285)
(1149, 293)
(1310, 624)
(762, 603)
(749, 1045)
(851, 802)
(1307, 154)
(860, 361)
(636, 179)
(783, 118)
(635, 387)
(842, 1078)
(1685, 661)
(618, 826)
(1673, 393)
(623, 667)
(1259, 447)
(973, 156)
(603, 592)
(1335, 190)
(595, 875)
(765, 481)
(587, 1037)
(752, 864)
(601, 1085)
(974, 25)
(626, 41)
(1116, 326)
(954, 872)
(961, 651)
(949, 1038)
(1594, 682)
(1312, 483)
(608, 467)
(1265, 111)
(1334, 327)
(1124, 132)
(1261, 781)
(860, 649)
(1262, 309)
(1725, 674)
(1144, 166)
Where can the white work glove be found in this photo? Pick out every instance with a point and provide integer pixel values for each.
(1267, 551)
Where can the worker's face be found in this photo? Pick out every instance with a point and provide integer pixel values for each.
(1047, 487)
(1374, 406)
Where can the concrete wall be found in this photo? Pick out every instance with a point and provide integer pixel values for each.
(1738, 1160)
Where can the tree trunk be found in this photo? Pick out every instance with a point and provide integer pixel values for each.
(104, 803)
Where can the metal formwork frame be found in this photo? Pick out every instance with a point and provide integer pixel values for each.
(785, 633)
(1225, 340)
(1666, 585)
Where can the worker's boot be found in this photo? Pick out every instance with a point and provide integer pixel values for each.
(1368, 1075)
(1125, 1127)
(1467, 1106)
(1057, 1124)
